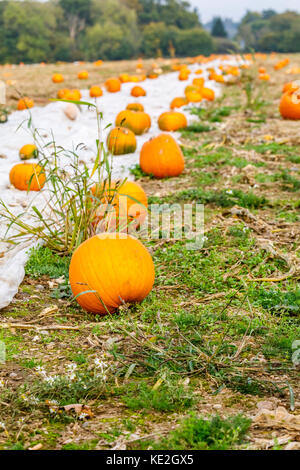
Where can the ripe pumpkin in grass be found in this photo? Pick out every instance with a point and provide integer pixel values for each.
(162, 157)
(83, 75)
(178, 102)
(135, 107)
(290, 104)
(113, 85)
(28, 151)
(172, 121)
(116, 267)
(138, 91)
(95, 91)
(208, 94)
(57, 78)
(129, 202)
(27, 177)
(25, 103)
(121, 141)
(138, 122)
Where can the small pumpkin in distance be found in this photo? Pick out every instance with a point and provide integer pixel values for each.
(73, 95)
(172, 121)
(138, 91)
(109, 270)
(178, 102)
(27, 177)
(138, 122)
(135, 107)
(83, 75)
(25, 103)
(113, 85)
(61, 94)
(28, 151)
(95, 91)
(162, 157)
(57, 78)
(121, 141)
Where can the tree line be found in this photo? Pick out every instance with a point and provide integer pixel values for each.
(68, 30)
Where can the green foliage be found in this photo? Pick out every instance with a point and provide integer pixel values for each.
(43, 262)
(223, 198)
(218, 29)
(215, 433)
(269, 31)
(169, 396)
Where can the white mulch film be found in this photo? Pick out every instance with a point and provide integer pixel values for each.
(69, 134)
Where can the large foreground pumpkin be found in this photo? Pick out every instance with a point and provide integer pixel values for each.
(27, 177)
(162, 157)
(116, 267)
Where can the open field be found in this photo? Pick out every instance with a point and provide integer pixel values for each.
(214, 337)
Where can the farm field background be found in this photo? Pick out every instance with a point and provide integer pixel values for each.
(214, 337)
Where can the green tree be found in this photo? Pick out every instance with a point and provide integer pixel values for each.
(218, 29)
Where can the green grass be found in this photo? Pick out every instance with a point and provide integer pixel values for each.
(222, 198)
(43, 262)
(196, 433)
(170, 396)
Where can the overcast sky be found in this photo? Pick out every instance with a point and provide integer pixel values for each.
(236, 8)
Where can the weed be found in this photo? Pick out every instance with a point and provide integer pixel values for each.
(214, 433)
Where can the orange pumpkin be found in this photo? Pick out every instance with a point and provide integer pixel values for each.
(95, 91)
(281, 64)
(73, 95)
(128, 200)
(290, 105)
(208, 94)
(152, 75)
(121, 141)
(61, 94)
(162, 157)
(290, 86)
(183, 75)
(109, 270)
(135, 107)
(172, 121)
(178, 102)
(28, 151)
(25, 103)
(138, 91)
(27, 177)
(194, 96)
(199, 82)
(138, 122)
(124, 77)
(113, 85)
(264, 76)
(57, 78)
(83, 75)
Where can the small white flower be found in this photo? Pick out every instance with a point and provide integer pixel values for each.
(229, 191)
(2, 425)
